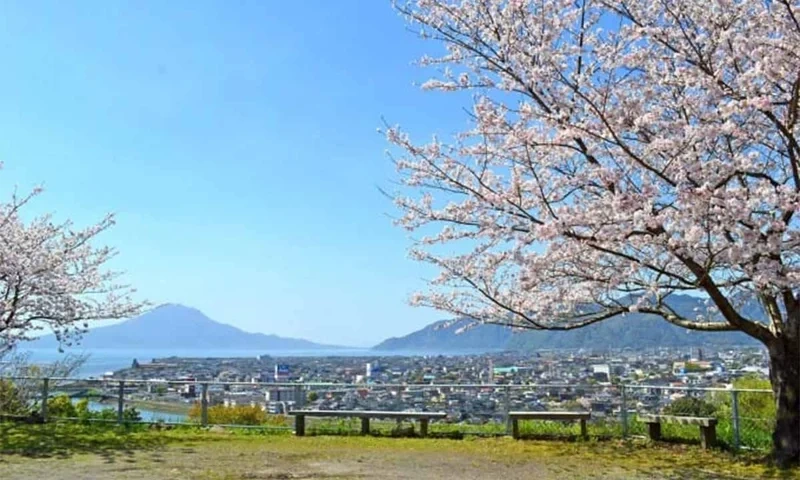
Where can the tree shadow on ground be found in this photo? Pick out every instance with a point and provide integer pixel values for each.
(679, 459)
(62, 440)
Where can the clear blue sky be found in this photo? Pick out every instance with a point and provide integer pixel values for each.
(236, 141)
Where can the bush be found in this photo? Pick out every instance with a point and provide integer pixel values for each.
(691, 407)
(61, 406)
(751, 404)
(129, 415)
(236, 415)
(11, 399)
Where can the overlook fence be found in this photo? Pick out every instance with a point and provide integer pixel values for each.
(745, 416)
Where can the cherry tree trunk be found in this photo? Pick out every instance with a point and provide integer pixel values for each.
(785, 379)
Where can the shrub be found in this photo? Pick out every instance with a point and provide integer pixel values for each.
(61, 406)
(236, 415)
(691, 407)
(751, 404)
(11, 399)
(129, 415)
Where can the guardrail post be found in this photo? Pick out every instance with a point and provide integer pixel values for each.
(204, 404)
(299, 398)
(45, 394)
(507, 409)
(121, 401)
(735, 413)
(624, 411)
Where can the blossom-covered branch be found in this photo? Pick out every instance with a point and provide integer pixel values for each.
(632, 148)
(53, 279)
(617, 152)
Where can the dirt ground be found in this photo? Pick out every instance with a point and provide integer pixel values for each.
(238, 461)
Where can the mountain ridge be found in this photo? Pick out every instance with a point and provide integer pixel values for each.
(634, 330)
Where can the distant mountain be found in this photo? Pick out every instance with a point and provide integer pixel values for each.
(173, 326)
(436, 338)
(632, 331)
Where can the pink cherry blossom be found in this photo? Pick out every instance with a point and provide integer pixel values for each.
(619, 152)
(52, 279)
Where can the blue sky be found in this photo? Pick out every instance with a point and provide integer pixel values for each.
(236, 142)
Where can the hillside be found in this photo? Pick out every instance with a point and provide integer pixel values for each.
(435, 338)
(632, 331)
(179, 327)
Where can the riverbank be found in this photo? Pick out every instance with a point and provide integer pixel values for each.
(172, 408)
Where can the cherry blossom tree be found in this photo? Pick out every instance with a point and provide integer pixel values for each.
(53, 279)
(616, 153)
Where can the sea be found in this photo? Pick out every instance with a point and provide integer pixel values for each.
(101, 361)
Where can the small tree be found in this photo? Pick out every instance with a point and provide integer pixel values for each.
(52, 278)
(28, 377)
(12, 402)
(754, 405)
(619, 152)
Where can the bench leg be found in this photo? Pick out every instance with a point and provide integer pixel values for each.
(515, 427)
(300, 425)
(423, 427)
(584, 434)
(654, 429)
(708, 436)
(364, 426)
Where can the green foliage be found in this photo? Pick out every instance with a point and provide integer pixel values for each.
(753, 404)
(61, 406)
(313, 396)
(757, 412)
(236, 415)
(691, 367)
(129, 415)
(11, 399)
(691, 407)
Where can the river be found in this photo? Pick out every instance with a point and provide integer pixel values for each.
(146, 414)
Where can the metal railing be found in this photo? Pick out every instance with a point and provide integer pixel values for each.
(744, 418)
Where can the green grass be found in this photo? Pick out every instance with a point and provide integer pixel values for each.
(755, 435)
(223, 452)
(64, 439)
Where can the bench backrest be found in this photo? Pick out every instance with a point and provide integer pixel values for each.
(702, 421)
(550, 415)
(367, 414)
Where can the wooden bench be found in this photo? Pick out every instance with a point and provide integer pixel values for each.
(558, 416)
(708, 426)
(365, 415)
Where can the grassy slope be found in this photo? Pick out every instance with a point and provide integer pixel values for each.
(31, 451)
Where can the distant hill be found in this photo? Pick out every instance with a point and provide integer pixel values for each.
(435, 338)
(173, 326)
(632, 331)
